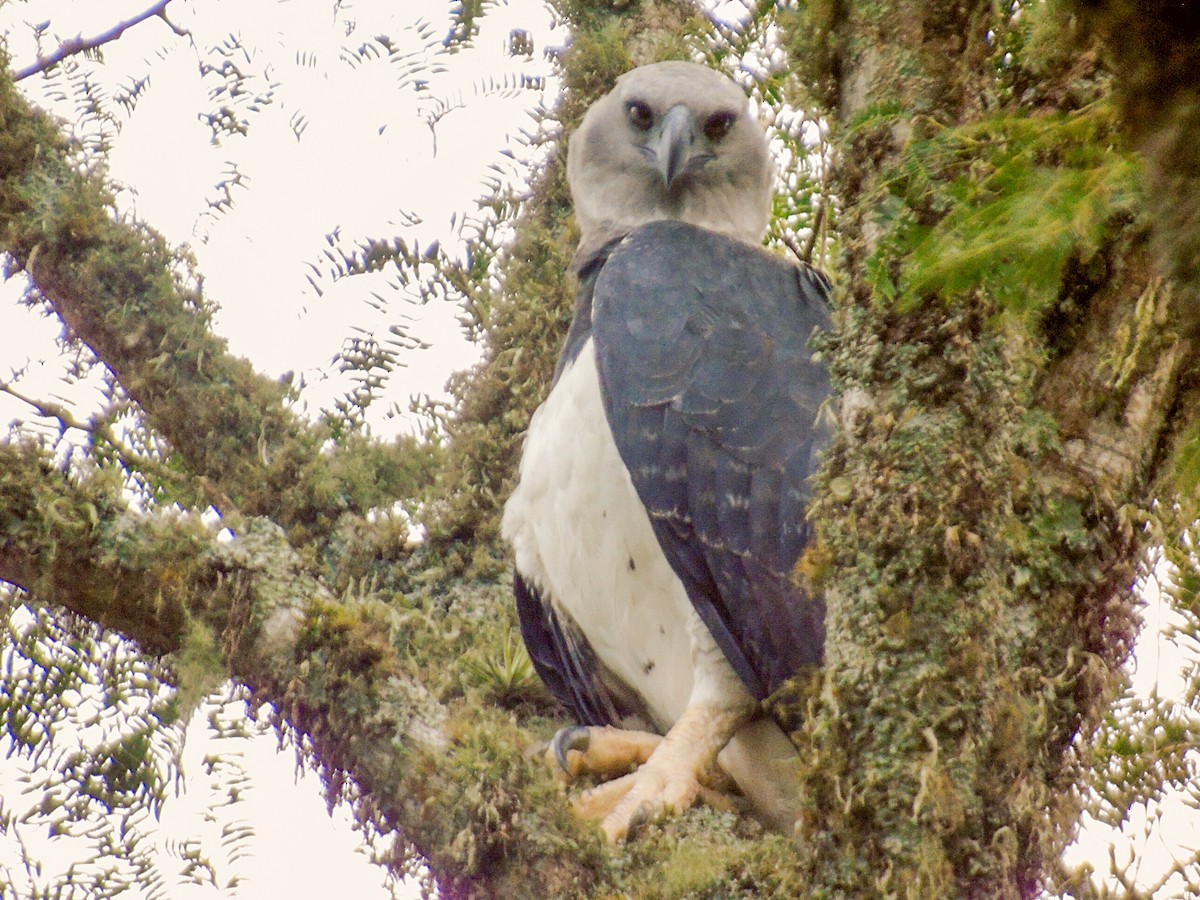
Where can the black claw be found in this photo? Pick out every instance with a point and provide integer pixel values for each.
(640, 818)
(576, 737)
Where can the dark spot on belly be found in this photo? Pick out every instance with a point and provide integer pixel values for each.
(662, 630)
(647, 667)
(632, 565)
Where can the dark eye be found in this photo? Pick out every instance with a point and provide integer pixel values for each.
(718, 124)
(641, 116)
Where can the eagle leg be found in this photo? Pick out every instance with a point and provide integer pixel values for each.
(673, 776)
(601, 751)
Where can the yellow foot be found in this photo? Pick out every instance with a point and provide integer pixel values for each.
(671, 772)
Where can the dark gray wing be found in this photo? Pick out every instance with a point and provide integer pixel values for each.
(713, 396)
(565, 662)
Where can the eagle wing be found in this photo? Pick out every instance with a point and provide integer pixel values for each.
(567, 665)
(715, 404)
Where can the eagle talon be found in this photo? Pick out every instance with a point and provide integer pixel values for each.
(603, 752)
(657, 790)
(639, 820)
(574, 737)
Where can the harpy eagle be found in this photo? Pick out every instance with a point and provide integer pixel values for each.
(660, 506)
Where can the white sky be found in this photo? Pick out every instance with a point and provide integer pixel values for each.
(1157, 835)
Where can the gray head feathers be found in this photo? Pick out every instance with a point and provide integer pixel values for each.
(673, 140)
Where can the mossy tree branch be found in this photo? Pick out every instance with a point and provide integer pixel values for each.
(247, 608)
(123, 293)
(453, 780)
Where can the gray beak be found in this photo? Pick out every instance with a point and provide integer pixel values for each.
(676, 142)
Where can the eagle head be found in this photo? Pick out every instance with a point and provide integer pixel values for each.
(673, 140)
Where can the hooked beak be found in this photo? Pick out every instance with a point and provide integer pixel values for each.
(675, 147)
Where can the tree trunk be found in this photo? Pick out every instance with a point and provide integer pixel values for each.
(998, 424)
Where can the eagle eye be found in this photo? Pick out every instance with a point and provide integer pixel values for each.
(718, 124)
(641, 116)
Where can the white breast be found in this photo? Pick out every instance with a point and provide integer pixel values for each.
(582, 537)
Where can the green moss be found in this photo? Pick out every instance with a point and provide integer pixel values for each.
(492, 812)
(197, 667)
(596, 59)
(1187, 464)
(706, 853)
(964, 595)
(813, 45)
(1006, 205)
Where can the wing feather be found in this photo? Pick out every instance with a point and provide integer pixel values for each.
(568, 666)
(714, 399)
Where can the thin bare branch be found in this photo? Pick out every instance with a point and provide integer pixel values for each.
(80, 44)
(795, 248)
(48, 408)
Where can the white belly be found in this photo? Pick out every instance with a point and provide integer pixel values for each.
(581, 536)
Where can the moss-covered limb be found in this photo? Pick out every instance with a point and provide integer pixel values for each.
(483, 809)
(118, 288)
(164, 579)
(344, 673)
(977, 590)
(72, 540)
(449, 775)
(247, 608)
